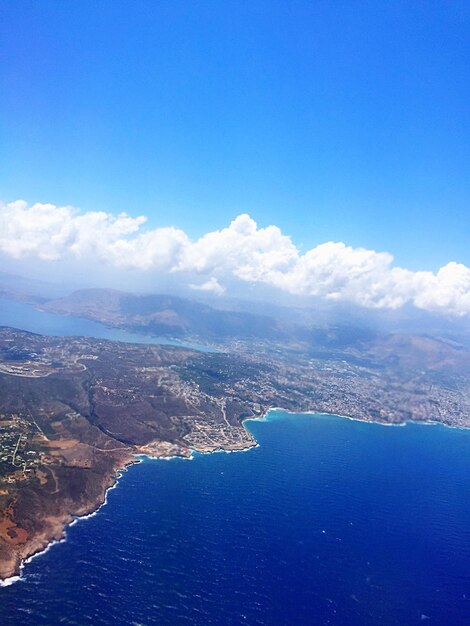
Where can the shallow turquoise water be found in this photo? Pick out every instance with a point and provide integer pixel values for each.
(328, 521)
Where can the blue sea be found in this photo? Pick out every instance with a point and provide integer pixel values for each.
(328, 521)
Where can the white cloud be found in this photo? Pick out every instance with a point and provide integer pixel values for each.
(244, 250)
(241, 251)
(212, 286)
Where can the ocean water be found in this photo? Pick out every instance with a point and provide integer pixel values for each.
(328, 521)
(27, 317)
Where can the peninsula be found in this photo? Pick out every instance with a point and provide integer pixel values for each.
(74, 411)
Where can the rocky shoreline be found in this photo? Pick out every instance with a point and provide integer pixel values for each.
(11, 569)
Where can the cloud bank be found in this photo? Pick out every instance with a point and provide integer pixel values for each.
(242, 251)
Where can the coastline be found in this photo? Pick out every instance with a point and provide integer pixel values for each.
(62, 523)
(136, 458)
(139, 456)
(313, 412)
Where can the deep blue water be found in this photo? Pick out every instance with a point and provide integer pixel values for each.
(328, 521)
(26, 317)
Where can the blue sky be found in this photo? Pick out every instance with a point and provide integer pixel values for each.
(343, 121)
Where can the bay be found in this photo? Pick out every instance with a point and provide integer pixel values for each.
(27, 317)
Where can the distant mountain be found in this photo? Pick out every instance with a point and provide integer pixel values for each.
(167, 315)
(31, 290)
(179, 317)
